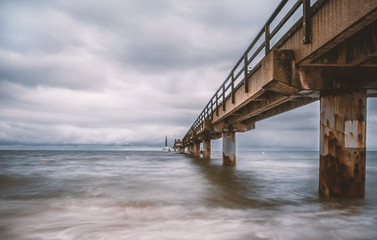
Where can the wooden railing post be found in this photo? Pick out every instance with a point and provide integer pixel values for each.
(224, 97)
(267, 38)
(217, 104)
(307, 39)
(212, 109)
(245, 69)
(232, 79)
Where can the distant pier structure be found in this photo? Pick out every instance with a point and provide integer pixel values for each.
(166, 148)
(330, 55)
(178, 146)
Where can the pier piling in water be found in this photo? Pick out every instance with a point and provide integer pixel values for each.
(342, 144)
(229, 148)
(196, 152)
(207, 148)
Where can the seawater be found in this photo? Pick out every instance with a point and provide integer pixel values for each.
(156, 195)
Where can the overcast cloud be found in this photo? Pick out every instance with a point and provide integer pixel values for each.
(130, 72)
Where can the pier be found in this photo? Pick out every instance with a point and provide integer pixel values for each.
(330, 55)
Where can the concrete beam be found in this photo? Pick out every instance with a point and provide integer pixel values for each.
(244, 126)
(216, 135)
(281, 87)
(337, 78)
(207, 124)
(256, 108)
(204, 128)
(354, 51)
(342, 144)
(235, 127)
(277, 66)
(285, 107)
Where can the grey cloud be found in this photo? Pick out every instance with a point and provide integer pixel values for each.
(234, 14)
(129, 72)
(33, 71)
(25, 26)
(164, 35)
(153, 37)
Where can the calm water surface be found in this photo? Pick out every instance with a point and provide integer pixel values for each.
(155, 195)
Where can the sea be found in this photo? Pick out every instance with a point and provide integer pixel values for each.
(149, 195)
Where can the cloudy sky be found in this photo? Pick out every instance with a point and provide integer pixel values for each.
(129, 72)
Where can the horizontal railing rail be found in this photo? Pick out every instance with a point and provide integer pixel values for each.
(243, 69)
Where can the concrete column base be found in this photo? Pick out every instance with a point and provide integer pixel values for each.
(229, 149)
(207, 149)
(343, 144)
(196, 152)
(181, 150)
(190, 149)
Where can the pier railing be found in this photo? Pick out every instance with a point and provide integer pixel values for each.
(250, 60)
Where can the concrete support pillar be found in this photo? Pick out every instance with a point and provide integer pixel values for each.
(207, 148)
(181, 150)
(196, 149)
(190, 149)
(342, 144)
(229, 148)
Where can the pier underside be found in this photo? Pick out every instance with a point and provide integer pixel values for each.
(338, 67)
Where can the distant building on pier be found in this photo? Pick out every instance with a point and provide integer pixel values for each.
(166, 148)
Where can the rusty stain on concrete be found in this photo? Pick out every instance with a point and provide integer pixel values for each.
(207, 148)
(229, 148)
(229, 161)
(342, 155)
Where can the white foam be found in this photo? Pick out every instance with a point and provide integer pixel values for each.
(100, 219)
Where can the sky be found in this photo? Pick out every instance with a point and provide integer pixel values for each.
(128, 72)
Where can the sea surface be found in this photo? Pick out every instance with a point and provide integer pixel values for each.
(154, 195)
